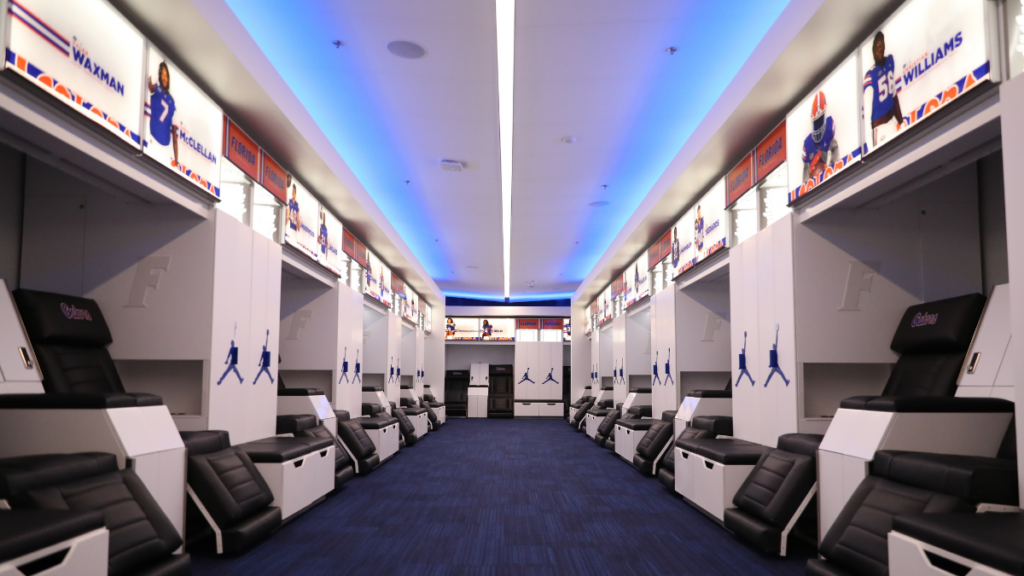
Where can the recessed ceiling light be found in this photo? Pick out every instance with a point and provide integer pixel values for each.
(473, 267)
(569, 139)
(406, 49)
(598, 204)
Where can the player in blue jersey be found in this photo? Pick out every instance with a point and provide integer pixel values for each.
(698, 230)
(449, 329)
(821, 149)
(486, 329)
(163, 132)
(885, 85)
(675, 247)
(293, 206)
(322, 238)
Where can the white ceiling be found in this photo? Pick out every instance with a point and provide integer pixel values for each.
(596, 70)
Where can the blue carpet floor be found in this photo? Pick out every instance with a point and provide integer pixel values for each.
(502, 497)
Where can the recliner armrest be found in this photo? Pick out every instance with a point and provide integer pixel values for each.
(299, 392)
(75, 401)
(292, 423)
(637, 424)
(710, 393)
(932, 404)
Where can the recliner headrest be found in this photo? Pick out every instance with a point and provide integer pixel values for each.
(720, 425)
(605, 404)
(60, 319)
(205, 441)
(806, 444)
(292, 423)
(942, 326)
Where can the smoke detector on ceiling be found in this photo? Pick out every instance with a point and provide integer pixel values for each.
(451, 165)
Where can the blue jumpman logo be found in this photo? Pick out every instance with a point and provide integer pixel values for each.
(743, 364)
(668, 369)
(344, 367)
(550, 377)
(773, 360)
(656, 377)
(232, 361)
(264, 362)
(526, 378)
(358, 377)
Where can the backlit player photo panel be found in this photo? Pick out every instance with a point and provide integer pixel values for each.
(822, 136)
(184, 129)
(462, 328)
(428, 319)
(85, 54)
(681, 257)
(498, 329)
(411, 306)
(709, 229)
(925, 56)
(637, 286)
(304, 219)
(329, 237)
(374, 276)
(605, 306)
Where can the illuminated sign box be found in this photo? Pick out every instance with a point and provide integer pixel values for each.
(242, 150)
(182, 126)
(462, 329)
(770, 153)
(682, 245)
(304, 219)
(822, 131)
(273, 177)
(926, 55)
(637, 286)
(740, 179)
(85, 54)
(329, 241)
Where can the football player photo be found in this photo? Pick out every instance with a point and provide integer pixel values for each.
(163, 132)
(821, 149)
(884, 86)
(293, 207)
(698, 230)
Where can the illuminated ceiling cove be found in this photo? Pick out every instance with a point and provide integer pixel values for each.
(605, 94)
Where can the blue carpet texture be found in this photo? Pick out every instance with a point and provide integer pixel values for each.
(502, 497)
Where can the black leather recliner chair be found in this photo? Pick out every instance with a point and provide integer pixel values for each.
(652, 446)
(405, 426)
(932, 340)
(606, 428)
(225, 483)
(142, 538)
(581, 413)
(908, 483)
(779, 488)
(70, 339)
(359, 445)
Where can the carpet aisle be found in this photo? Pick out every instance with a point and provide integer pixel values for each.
(502, 497)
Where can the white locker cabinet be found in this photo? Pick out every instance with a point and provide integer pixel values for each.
(626, 441)
(715, 484)
(620, 380)
(592, 423)
(550, 409)
(684, 473)
(526, 410)
(526, 374)
(299, 482)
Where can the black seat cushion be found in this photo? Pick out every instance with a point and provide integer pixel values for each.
(642, 410)
(972, 478)
(228, 485)
(602, 412)
(858, 539)
(720, 425)
(770, 496)
(817, 567)
(205, 441)
(578, 416)
(991, 539)
(70, 339)
(691, 433)
(342, 415)
(78, 401)
(370, 408)
(406, 427)
(607, 424)
(936, 404)
(637, 424)
(343, 467)
(376, 422)
(725, 450)
(806, 444)
(277, 449)
(25, 531)
(20, 474)
(414, 410)
(141, 535)
(292, 423)
(667, 470)
(356, 439)
(651, 446)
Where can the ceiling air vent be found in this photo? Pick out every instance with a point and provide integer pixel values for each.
(451, 165)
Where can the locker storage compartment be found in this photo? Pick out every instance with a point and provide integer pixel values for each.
(456, 389)
(551, 409)
(628, 434)
(299, 471)
(527, 410)
(384, 434)
(826, 385)
(501, 392)
(79, 539)
(718, 468)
